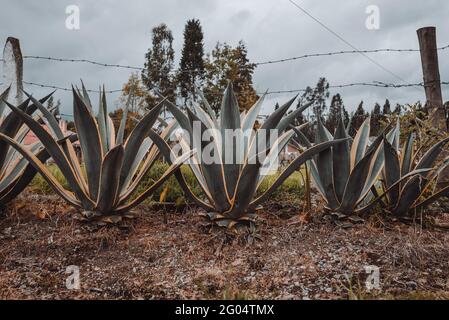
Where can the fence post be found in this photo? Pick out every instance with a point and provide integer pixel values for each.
(431, 74)
(13, 69)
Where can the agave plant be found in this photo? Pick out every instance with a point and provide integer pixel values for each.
(113, 168)
(230, 186)
(345, 174)
(15, 171)
(408, 181)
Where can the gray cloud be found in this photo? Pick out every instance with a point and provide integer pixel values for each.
(119, 32)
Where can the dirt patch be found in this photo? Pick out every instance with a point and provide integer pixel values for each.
(286, 257)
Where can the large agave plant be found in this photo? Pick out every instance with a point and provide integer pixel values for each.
(345, 174)
(407, 181)
(15, 171)
(230, 186)
(113, 167)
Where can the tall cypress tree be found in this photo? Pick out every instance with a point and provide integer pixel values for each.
(157, 73)
(376, 117)
(335, 109)
(358, 117)
(191, 68)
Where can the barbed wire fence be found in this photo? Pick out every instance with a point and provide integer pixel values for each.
(377, 84)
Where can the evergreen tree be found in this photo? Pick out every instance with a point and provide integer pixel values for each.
(386, 111)
(191, 68)
(224, 64)
(358, 117)
(375, 122)
(157, 73)
(335, 113)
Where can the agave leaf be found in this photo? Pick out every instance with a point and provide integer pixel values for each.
(245, 190)
(295, 165)
(90, 142)
(4, 96)
(16, 168)
(173, 168)
(109, 179)
(341, 161)
(135, 140)
(250, 118)
(111, 132)
(53, 149)
(407, 154)
(377, 163)
(360, 143)
(392, 171)
(408, 196)
(25, 178)
(208, 107)
(102, 122)
(325, 167)
(400, 181)
(86, 98)
(40, 167)
(182, 119)
(287, 120)
(10, 126)
(49, 117)
(429, 158)
(273, 155)
(356, 183)
(230, 122)
(213, 172)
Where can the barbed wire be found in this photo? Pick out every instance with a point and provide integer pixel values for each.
(377, 84)
(343, 52)
(305, 56)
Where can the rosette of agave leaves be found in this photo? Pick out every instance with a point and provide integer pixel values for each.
(15, 171)
(357, 174)
(102, 187)
(230, 186)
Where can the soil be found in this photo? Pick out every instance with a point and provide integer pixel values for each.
(179, 256)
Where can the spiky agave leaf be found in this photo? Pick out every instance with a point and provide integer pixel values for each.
(103, 193)
(231, 188)
(15, 171)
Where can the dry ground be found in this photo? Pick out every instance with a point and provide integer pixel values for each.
(285, 258)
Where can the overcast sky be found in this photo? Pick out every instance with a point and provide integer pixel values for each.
(120, 31)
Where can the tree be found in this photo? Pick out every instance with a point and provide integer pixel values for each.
(224, 64)
(375, 122)
(317, 96)
(357, 119)
(191, 68)
(134, 94)
(159, 60)
(386, 111)
(50, 103)
(335, 113)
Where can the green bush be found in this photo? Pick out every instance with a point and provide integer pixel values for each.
(171, 188)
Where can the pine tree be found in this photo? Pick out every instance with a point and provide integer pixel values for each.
(224, 64)
(375, 122)
(317, 96)
(159, 60)
(335, 113)
(386, 111)
(357, 119)
(191, 69)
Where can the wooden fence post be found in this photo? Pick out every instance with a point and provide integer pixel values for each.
(13, 69)
(431, 74)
